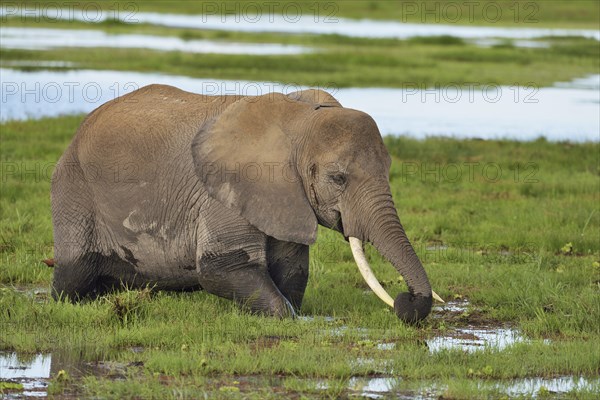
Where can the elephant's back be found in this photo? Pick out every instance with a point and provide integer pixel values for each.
(151, 123)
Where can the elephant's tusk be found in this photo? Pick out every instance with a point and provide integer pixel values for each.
(367, 273)
(437, 297)
(369, 277)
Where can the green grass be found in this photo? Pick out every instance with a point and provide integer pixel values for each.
(340, 64)
(506, 252)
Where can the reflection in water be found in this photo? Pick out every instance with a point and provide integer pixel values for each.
(46, 39)
(563, 384)
(425, 390)
(14, 366)
(473, 339)
(521, 113)
(32, 371)
(372, 387)
(324, 23)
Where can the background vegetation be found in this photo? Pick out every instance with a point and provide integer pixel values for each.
(340, 61)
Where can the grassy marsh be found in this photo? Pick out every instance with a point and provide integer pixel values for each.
(532, 14)
(339, 61)
(522, 247)
(404, 64)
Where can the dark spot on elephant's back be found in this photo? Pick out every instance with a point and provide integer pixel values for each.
(189, 267)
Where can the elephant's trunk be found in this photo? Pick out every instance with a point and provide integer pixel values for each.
(372, 217)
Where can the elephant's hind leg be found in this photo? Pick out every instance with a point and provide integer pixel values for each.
(76, 262)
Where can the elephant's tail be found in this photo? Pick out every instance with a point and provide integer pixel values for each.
(49, 262)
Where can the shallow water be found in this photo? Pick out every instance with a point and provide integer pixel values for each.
(470, 338)
(322, 23)
(32, 373)
(563, 384)
(35, 371)
(12, 367)
(47, 39)
(454, 306)
(475, 338)
(384, 386)
(568, 111)
(372, 388)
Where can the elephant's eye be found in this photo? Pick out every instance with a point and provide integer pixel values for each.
(338, 179)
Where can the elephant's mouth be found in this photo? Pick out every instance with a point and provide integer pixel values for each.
(339, 225)
(333, 220)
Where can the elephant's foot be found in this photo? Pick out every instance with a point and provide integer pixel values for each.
(266, 303)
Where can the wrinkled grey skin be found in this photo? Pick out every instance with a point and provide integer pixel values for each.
(182, 191)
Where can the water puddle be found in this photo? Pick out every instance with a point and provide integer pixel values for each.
(32, 372)
(459, 112)
(474, 339)
(323, 24)
(563, 384)
(310, 318)
(381, 387)
(470, 338)
(372, 388)
(47, 39)
(454, 307)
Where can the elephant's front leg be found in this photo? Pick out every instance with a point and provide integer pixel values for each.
(288, 266)
(242, 275)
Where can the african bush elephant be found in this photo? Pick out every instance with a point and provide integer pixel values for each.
(224, 193)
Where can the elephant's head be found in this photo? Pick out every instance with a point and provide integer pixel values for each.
(286, 163)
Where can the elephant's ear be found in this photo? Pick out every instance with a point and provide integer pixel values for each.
(318, 98)
(246, 159)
